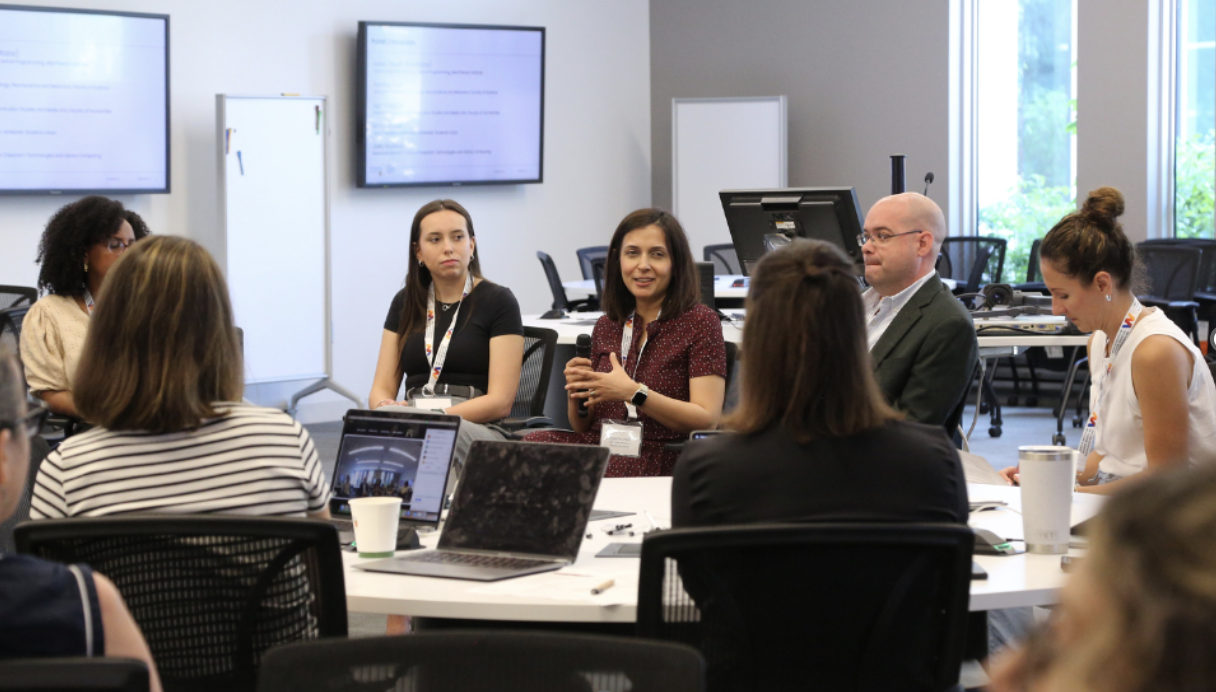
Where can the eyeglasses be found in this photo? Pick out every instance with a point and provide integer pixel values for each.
(880, 238)
(31, 423)
(117, 247)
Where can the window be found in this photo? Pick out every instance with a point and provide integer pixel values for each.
(1194, 146)
(1025, 121)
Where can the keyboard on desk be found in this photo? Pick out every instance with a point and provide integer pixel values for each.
(492, 561)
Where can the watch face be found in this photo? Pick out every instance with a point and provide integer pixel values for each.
(638, 399)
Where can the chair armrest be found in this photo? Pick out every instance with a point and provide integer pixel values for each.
(521, 433)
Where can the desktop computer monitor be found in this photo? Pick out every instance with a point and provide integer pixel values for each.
(762, 220)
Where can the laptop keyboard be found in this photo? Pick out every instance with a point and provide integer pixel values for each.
(472, 560)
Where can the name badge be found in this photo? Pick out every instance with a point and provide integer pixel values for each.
(622, 438)
(430, 402)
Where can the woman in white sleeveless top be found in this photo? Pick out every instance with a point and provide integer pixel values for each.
(1152, 402)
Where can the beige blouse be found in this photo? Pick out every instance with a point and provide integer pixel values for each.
(52, 340)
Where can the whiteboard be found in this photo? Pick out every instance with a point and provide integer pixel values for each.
(723, 144)
(274, 212)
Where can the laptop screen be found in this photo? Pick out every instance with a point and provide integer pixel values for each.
(520, 497)
(395, 453)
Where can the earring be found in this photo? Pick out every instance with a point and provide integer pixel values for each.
(1108, 298)
(86, 266)
(421, 264)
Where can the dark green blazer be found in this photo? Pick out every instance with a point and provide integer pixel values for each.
(926, 358)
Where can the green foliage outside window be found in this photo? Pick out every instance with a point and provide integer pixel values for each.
(1025, 215)
(1195, 173)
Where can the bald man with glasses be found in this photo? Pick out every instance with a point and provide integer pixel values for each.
(921, 338)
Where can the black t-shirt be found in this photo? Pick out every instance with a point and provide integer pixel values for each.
(901, 471)
(488, 311)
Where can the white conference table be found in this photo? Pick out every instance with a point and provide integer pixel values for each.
(724, 286)
(993, 346)
(1013, 581)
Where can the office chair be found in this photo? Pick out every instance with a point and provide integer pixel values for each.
(587, 255)
(599, 270)
(540, 345)
(832, 606)
(17, 296)
(211, 594)
(73, 675)
(1205, 293)
(1173, 280)
(961, 255)
(561, 304)
(490, 661)
(724, 257)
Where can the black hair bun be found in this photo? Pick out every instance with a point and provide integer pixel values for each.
(1103, 206)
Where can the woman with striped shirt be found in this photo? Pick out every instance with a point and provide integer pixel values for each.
(161, 378)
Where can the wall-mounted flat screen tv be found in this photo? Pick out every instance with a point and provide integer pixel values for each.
(84, 101)
(449, 104)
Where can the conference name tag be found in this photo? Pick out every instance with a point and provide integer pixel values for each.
(621, 438)
(431, 402)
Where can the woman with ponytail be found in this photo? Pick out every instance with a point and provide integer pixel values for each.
(1152, 402)
(814, 439)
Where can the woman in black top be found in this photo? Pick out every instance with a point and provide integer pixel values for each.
(456, 338)
(814, 440)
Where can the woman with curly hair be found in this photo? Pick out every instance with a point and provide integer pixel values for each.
(79, 244)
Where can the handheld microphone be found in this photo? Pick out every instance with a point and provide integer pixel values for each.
(928, 179)
(582, 349)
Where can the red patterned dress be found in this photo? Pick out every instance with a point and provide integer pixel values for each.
(677, 350)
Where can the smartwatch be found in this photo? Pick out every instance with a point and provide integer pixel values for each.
(639, 397)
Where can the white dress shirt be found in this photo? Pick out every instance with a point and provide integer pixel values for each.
(880, 311)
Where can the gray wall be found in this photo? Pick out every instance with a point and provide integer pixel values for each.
(865, 79)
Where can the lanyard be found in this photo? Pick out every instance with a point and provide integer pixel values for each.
(88, 302)
(626, 344)
(1125, 330)
(442, 355)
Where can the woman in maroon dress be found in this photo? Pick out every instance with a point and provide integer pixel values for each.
(672, 377)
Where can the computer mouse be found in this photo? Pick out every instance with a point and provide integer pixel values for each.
(988, 543)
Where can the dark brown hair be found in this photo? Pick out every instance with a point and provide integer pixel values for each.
(70, 233)
(162, 347)
(418, 279)
(1091, 240)
(806, 366)
(683, 291)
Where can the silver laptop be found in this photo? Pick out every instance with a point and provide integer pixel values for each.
(393, 454)
(520, 508)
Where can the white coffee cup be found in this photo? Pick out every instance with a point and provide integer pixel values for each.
(376, 520)
(1047, 476)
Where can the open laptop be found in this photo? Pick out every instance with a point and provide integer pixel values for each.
(393, 453)
(520, 508)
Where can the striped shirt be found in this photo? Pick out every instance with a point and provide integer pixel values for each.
(251, 461)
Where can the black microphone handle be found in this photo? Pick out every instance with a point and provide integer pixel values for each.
(582, 349)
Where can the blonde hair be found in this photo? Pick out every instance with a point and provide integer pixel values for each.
(1152, 558)
(162, 347)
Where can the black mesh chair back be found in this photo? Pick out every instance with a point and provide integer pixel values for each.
(211, 594)
(862, 607)
(497, 661)
(587, 255)
(17, 296)
(732, 360)
(39, 449)
(1033, 275)
(555, 281)
(961, 254)
(10, 334)
(724, 257)
(539, 348)
(1172, 271)
(599, 269)
(73, 675)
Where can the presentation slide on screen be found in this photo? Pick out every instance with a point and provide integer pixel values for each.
(82, 101)
(452, 105)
